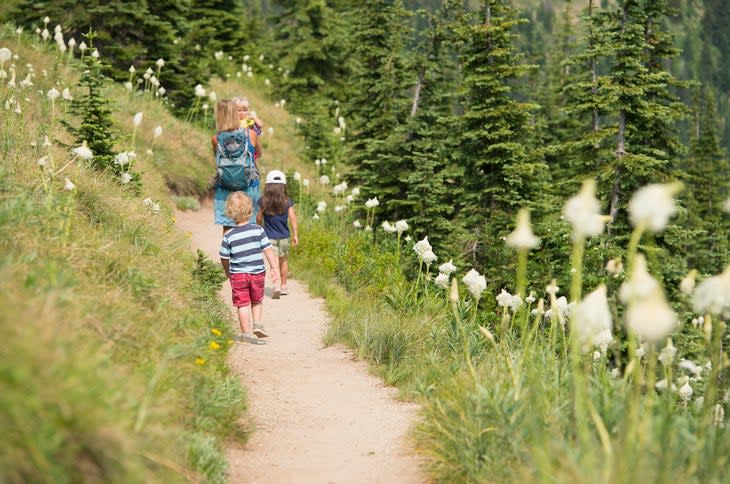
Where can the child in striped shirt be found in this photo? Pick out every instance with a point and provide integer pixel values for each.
(242, 255)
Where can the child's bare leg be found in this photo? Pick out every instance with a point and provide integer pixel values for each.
(283, 269)
(244, 318)
(257, 309)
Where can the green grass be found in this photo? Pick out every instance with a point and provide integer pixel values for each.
(104, 325)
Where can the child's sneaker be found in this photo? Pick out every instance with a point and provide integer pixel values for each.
(250, 338)
(276, 293)
(284, 292)
(259, 331)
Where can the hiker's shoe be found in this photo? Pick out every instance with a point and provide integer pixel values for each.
(284, 292)
(250, 338)
(259, 331)
(276, 293)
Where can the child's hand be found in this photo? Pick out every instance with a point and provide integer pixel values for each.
(294, 240)
(275, 276)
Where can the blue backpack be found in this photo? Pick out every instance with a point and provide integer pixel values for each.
(234, 160)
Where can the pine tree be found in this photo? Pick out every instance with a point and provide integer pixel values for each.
(97, 127)
(707, 176)
(380, 104)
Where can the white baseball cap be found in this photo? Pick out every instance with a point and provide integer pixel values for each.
(276, 176)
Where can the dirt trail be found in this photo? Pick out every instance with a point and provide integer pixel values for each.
(320, 417)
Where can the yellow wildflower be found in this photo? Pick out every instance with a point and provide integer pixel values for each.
(199, 361)
(213, 345)
(229, 342)
(216, 331)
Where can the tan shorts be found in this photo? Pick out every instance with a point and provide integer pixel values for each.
(281, 247)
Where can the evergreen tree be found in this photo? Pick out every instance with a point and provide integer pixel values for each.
(707, 176)
(380, 104)
(499, 174)
(96, 127)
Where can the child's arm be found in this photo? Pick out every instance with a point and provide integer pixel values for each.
(273, 264)
(226, 263)
(214, 142)
(259, 217)
(256, 120)
(294, 227)
(256, 143)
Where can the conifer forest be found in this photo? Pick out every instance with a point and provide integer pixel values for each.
(517, 211)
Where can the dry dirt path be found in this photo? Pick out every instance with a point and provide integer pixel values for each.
(319, 416)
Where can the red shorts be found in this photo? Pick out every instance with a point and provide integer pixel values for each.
(247, 288)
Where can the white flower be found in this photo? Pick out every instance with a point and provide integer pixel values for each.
(66, 94)
(641, 350)
(218, 55)
(158, 132)
(315, 217)
(368, 228)
(447, 267)
(428, 257)
(387, 227)
(593, 318)
(151, 205)
(324, 180)
(160, 62)
(126, 178)
(5, 55)
(340, 188)
(349, 199)
(83, 151)
(687, 284)
(339, 208)
(137, 119)
(297, 176)
(305, 182)
(596, 355)
(42, 161)
(321, 206)
(615, 266)
(270, 130)
(356, 192)
(401, 226)
(53, 94)
(45, 34)
(690, 366)
(522, 237)
(407, 238)
(553, 288)
(372, 202)
(121, 159)
(95, 54)
(475, 282)
(128, 86)
(212, 96)
(615, 373)
(69, 186)
(46, 142)
(357, 224)
(713, 295)
(515, 303)
(667, 354)
(422, 246)
(652, 205)
(504, 299)
(199, 91)
(132, 70)
(583, 212)
(442, 280)
(640, 285)
(651, 318)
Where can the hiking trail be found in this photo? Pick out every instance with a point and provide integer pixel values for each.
(318, 415)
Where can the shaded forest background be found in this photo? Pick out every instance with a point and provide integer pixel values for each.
(456, 114)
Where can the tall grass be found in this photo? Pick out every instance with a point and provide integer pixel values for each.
(113, 363)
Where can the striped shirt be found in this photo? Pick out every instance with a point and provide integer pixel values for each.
(244, 245)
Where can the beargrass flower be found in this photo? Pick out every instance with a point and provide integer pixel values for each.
(160, 62)
(422, 246)
(339, 208)
(553, 288)
(667, 354)
(324, 180)
(593, 319)
(66, 94)
(95, 53)
(357, 224)
(640, 285)
(387, 227)
(339, 188)
(47, 142)
(158, 132)
(713, 295)
(126, 178)
(321, 206)
(662, 385)
(401, 226)
(315, 216)
(522, 237)
(651, 318)
(297, 176)
(305, 182)
(718, 415)
(69, 186)
(652, 205)
(83, 151)
(583, 212)
(137, 119)
(690, 366)
(428, 257)
(447, 267)
(199, 90)
(615, 266)
(356, 192)
(372, 202)
(475, 283)
(687, 284)
(442, 280)
(42, 161)
(504, 299)
(53, 94)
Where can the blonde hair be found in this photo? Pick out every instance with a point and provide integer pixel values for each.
(226, 116)
(239, 207)
(241, 101)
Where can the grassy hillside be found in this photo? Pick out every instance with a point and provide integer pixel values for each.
(113, 367)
